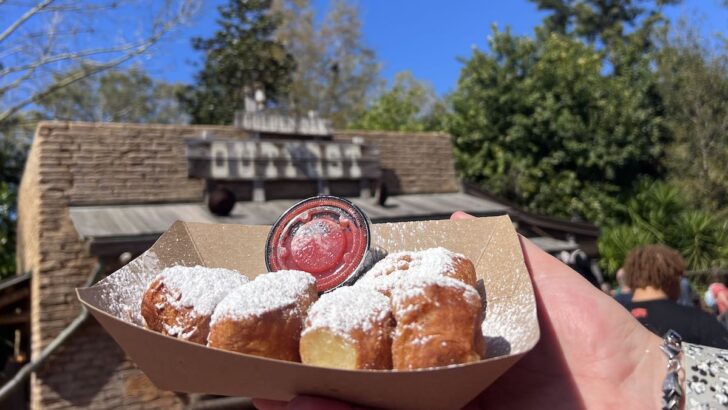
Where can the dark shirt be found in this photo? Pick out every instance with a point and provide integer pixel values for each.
(694, 325)
(624, 298)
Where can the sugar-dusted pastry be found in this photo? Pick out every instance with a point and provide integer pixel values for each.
(181, 299)
(384, 275)
(438, 323)
(265, 316)
(349, 328)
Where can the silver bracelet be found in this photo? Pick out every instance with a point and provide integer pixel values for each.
(672, 391)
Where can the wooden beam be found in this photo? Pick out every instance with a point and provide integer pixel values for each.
(11, 297)
(14, 319)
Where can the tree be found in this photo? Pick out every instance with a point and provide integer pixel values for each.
(43, 39)
(408, 105)
(659, 213)
(539, 122)
(14, 141)
(693, 81)
(335, 71)
(609, 22)
(242, 56)
(116, 96)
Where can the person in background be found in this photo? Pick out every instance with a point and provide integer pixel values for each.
(716, 298)
(623, 295)
(717, 295)
(654, 273)
(579, 261)
(687, 295)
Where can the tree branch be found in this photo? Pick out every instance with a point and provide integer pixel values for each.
(40, 65)
(19, 22)
(68, 56)
(90, 70)
(77, 76)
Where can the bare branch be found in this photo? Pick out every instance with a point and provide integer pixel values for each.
(161, 27)
(77, 76)
(68, 56)
(85, 8)
(19, 22)
(46, 58)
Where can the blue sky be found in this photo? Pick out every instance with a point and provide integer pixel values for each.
(423, 36)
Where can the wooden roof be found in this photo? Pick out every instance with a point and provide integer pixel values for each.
(138, 220)
(118, 228)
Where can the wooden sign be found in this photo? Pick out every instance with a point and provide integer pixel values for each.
(281, 159)
(267, 123)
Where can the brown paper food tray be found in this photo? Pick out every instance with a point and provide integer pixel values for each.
(511, 326)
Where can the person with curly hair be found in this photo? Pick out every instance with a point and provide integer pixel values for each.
(654, 273)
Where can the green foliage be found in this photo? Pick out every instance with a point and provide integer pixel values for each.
(409, 105)
(7, 230)
(659, 213)
(14, 140)
(693, 80)
(608, 21)
(655, 205)
(240, 57)
(538, 122)
(702, 238)
(616, 242)
(116, 96)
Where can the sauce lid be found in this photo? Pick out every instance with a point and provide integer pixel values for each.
(326, 236)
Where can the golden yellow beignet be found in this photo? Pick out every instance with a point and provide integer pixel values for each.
(385, 274)
(438, 323)
(349, 328)
(265, 316)
(181, 299)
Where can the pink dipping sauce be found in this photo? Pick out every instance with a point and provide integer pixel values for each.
(326, 236)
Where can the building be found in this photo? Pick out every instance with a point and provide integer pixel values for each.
(93, 195)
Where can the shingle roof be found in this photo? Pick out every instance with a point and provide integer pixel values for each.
(142, 220)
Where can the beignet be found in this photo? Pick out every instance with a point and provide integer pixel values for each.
(180, 300)
(438, 323)
(385, 274)
(265, 316)
(349, 328)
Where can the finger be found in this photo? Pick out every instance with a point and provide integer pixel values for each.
(460, 215)
(265, 404)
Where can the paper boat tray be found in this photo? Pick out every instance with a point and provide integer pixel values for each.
(510, 326)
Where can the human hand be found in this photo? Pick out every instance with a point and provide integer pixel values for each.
(592, 353)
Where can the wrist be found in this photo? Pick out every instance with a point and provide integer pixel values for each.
(653, 369)
(662, 368)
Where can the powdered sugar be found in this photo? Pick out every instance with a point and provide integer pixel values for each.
(198, 287)
(121, 292)
(502, 328)
(346, 309)
(416, 285)
(267, 292)
(385, 274)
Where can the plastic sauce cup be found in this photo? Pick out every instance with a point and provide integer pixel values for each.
(326, 236)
